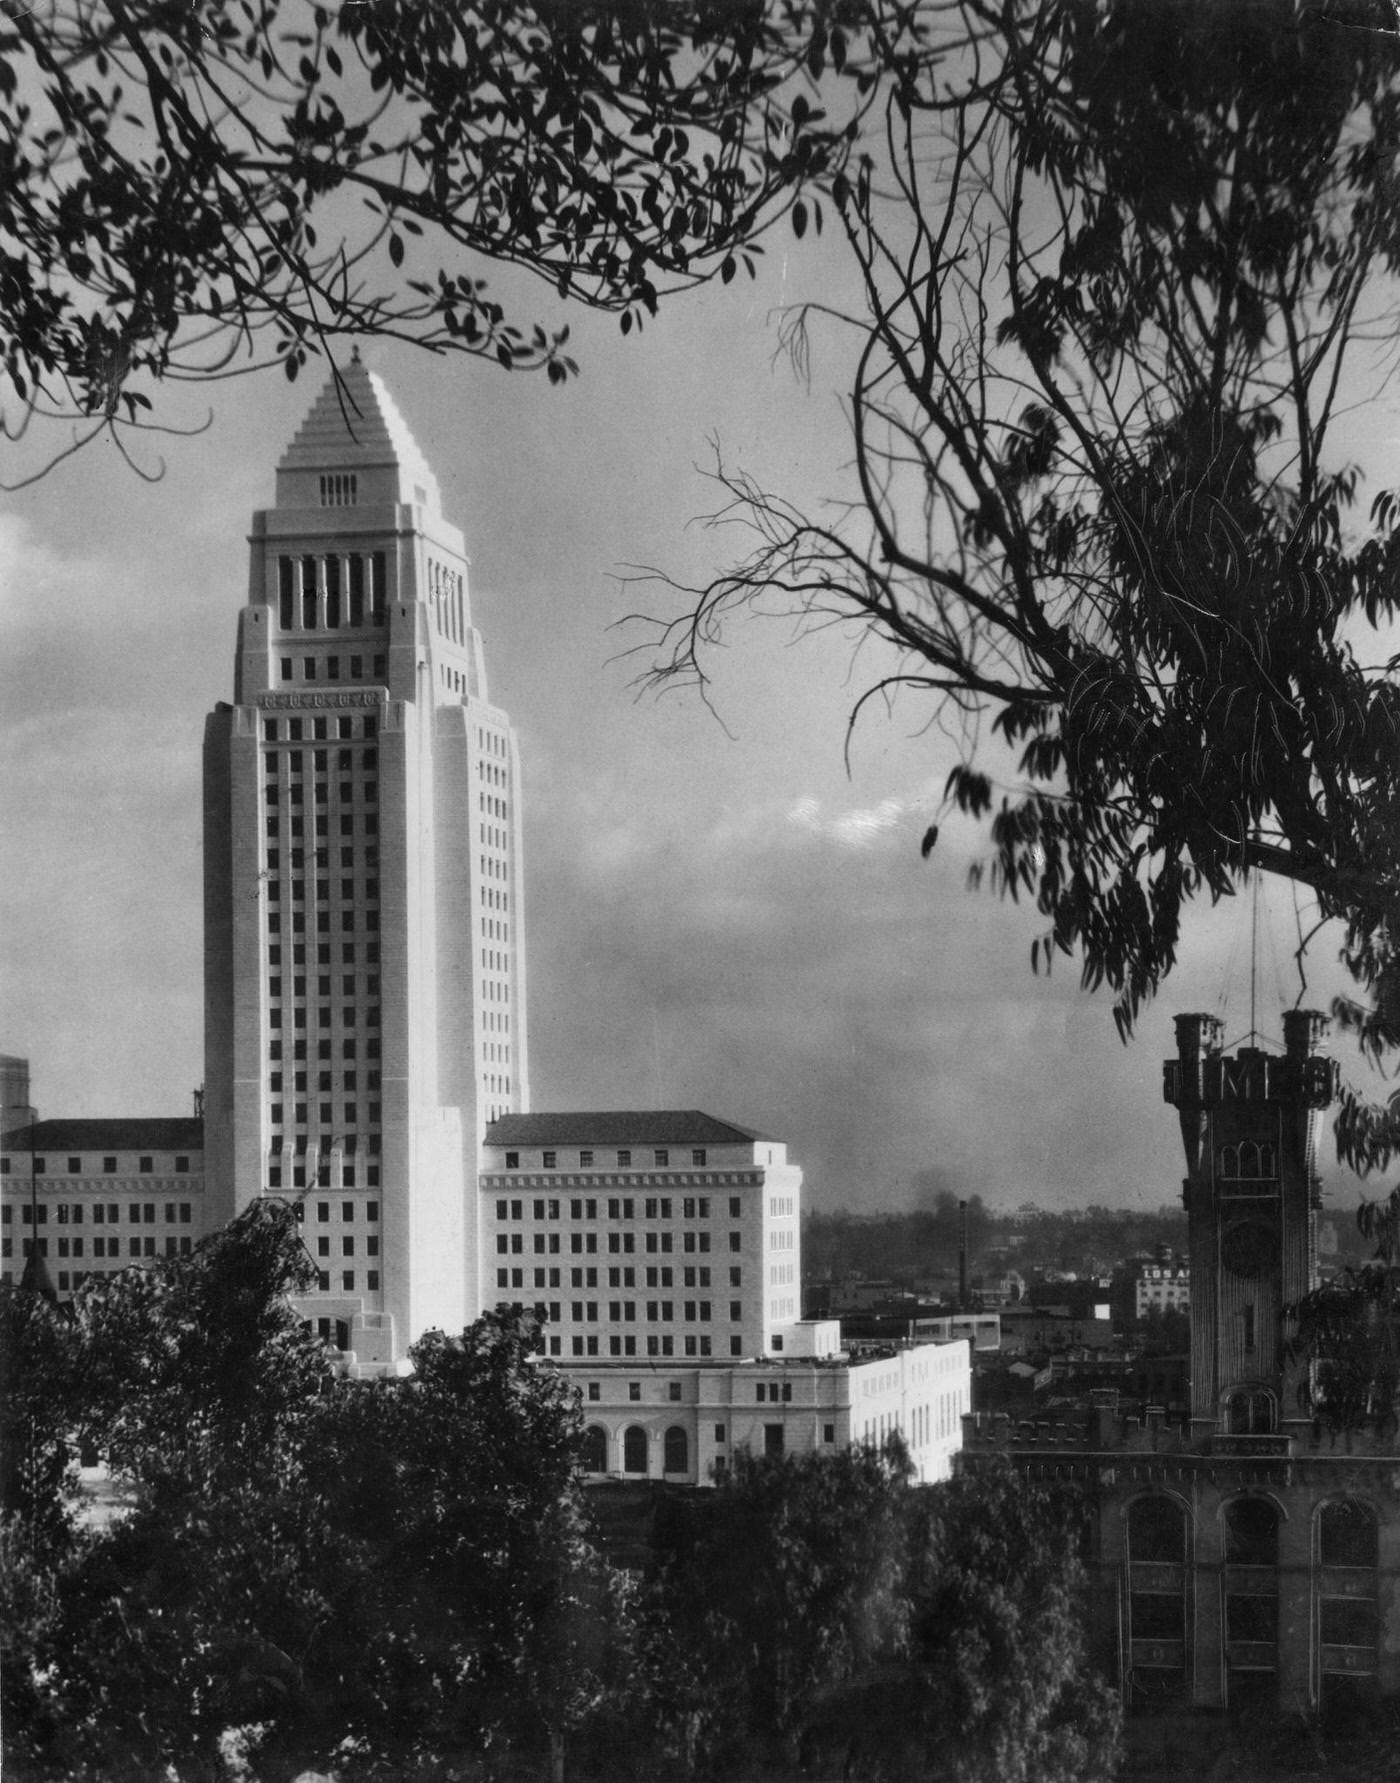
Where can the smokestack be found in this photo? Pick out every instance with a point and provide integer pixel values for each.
(962, 1256)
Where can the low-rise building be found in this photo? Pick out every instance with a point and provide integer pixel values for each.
(662, 1249)
(94, 1196)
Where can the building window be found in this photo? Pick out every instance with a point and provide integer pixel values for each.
(697, 1156)
(676, 1451)
(549, 1160)
(624, 1160)
(634, 1449)
(661, 1155)
(75, 1166)
(595, 1448)
(512, 1160)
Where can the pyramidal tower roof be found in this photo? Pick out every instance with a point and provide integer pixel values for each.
(355, 426)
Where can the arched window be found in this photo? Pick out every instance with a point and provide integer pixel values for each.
(677, 1457)
(1156, 1531)
(634, 1449)
(1230, 1161)
(595, 1449)
(1348, 1591)
(1249, 1411)
(1251, 1603)
(1251, 1532)
(1157, 1577)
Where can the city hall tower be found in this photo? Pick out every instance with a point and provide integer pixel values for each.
(364, 957)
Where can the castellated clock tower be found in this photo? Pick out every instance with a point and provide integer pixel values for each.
(1250, 1123)
(364, 955)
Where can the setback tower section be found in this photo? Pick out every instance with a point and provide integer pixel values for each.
(364, 955)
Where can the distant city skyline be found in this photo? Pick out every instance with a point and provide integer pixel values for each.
(719, 916)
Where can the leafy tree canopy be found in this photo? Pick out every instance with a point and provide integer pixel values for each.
(817, 1609)
(187, 183)
(1120, 264)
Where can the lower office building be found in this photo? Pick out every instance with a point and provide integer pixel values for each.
(93, 1196)
(662, 1249)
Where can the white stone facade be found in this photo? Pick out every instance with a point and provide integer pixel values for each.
(685, 1425)
(365, 965)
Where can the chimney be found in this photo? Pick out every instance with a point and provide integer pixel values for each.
(962, 1256)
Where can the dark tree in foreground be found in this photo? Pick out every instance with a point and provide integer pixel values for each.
(186, 185)
(818, 1611)
(1123, 267)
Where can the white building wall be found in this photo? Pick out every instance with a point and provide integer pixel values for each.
(349, 864)
(634, 1258)
(773, 1407)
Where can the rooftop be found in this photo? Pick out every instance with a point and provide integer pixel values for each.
(660, 1126)
(355, 424)
(178, 1134)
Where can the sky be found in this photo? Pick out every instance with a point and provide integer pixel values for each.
(721, 911)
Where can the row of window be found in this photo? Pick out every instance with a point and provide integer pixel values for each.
(321, 1176)
(620, 1244)
(587, 1277)
(299, 763)
(349, 1049)
(351, 915)
(323, 953)
(663, 1345)
(619, 1207)
(661, 1156)
(145, 1165)
(1347, 1532)
(316, 592)
(109, 1248)
(369, 986)
(349, 1016)
(347, 1246)
(349, 1080)
(347, 1281)
(317, 730)
(103, 1212)
(327, 668)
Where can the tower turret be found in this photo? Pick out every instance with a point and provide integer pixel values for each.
(1249, 1124)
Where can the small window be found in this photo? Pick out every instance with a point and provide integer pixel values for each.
(595, 1391)
(624, 1160)
(634, 1390)
(75, 1166)
(674, 1390)
(585, 1159)
(145, 1166)
(698, 1155)
(661, 1155)
(550, 1160)
(512, 1160)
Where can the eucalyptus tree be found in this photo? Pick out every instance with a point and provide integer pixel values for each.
(1121, 267)
(189, 188)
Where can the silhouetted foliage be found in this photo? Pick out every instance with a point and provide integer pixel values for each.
(1117, 262)
(396, 1579)
(819, 1611)
(179, 181)
(1348, 1333)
